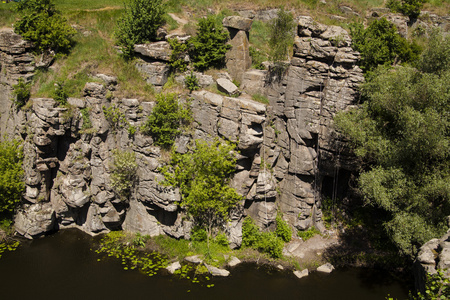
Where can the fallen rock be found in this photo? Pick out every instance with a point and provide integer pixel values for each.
(237, 22)
(195, 259)
(301, 274)
(234, 261)
(173, 267)
(227, 87)
(217, 272)
(326, 268)
(157, 51)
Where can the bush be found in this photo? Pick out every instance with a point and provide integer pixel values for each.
(283, 230)
(165, 120)
(22, 92)
(123, 172)
(191, 82)
(250, 233)
(221, 240)
(139, 24)
(281, 36)
(177, 58)
(209, 46)
(410, 8)
(198, 234)
(60, 94)
(11, 176)
(115, 117)
(380, 44)
(266, 242)
(44, 26)
(309, 233)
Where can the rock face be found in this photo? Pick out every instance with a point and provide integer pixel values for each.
(288, 153)
(238, 59)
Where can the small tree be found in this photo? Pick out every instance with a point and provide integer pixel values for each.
(139, 24)
(410, 8)
(22, 92)
(11, 176)
(203, 176)
(123, 173)
(209, 46)
(281, 36)
(41, 23)
(165, 120)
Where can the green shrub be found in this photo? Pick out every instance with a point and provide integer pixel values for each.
(165, 120)
(60, 94)
(250, 233)
(177, 58)
(11, 176)
(257, 58)
(123, 172)
(283, 230)
(87, 124)
(44, 26)
(191, 82)
(198, 234)
(139, 24)
(221, 240)
(380, 44)
(115, 117)
(266, 242)
(209, 46)
(22, 92)
(281, 36)
(309, 233)
(410, 8)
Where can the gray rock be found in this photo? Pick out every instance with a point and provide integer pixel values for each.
(173, 267)
(158, 51)
(234, 261)
(227, 87)
(237, 22)
(326, 268)
(139, 220)
(238, 58)
(253, 82)
(217, 272)
(34, 220)
(195, 259)
(155, 73)
(301, 274)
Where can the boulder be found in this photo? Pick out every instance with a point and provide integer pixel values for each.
(195, 259)
(238, 58)
(217, 272)
(173, 267)
(301, 274)
(139, 220)
(34, 220)
(160, 51)
(234, 261)
(155, 73)
(325, 268)
(237, 22)
(227, 87)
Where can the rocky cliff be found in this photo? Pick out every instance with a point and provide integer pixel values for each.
(289, 154)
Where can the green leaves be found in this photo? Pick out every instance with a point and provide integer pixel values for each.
(139, 24)
(44, 26)
(22, 92)
(123, 172)
(203, 176)
(11, 176)
(167, 117)
(209, 45)
(281, 36)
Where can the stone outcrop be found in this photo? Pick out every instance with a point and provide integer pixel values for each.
(238, 59)
(287, 151)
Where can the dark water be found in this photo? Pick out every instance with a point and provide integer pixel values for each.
(62, 266)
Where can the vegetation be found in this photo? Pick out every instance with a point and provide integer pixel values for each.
(11, 177)
(209, 46)
(437, 286)
(203, 176)
(401, 132)
(410, 8)
(42, 24)
(191, 82)
(177, 58)
(283, 230)
(166, 118)
(123, 173)
(309, 233)
(266, 242)
(115, 117)
(21, 92)
(281, 36)
(139, 24)
(380, 44)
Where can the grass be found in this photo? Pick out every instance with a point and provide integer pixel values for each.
(307, 234)
(260, 98)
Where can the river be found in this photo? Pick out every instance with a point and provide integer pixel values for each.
(62, 266)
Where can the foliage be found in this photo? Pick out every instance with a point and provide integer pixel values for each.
(22, 92)
(260, 98)
(402, 134)
(42, 24)
(209, 46)
(115, 117)
(60, 93)
(221, 239)
(257, 58)
(177, 58)
(266, 242)
(281, 36)
(283, 230)
(166, 119)
(410, 8)
(87, 124)
(436, 57)
(123, 172)
(203, 175)
(11, 176)
(8, 245)
(437, 286)
(191, 82)
(309, 233)
(139, 24)
(380, 44)
(198, 234)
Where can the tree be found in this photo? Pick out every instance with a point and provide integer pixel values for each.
(41, 23)
(281, 36)
(139, 24)
(11, 176)
(402, 134)
(123, 173)
(165, 120)
(380, 44)
(209, 46)
(410, 8)
(202, 176)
